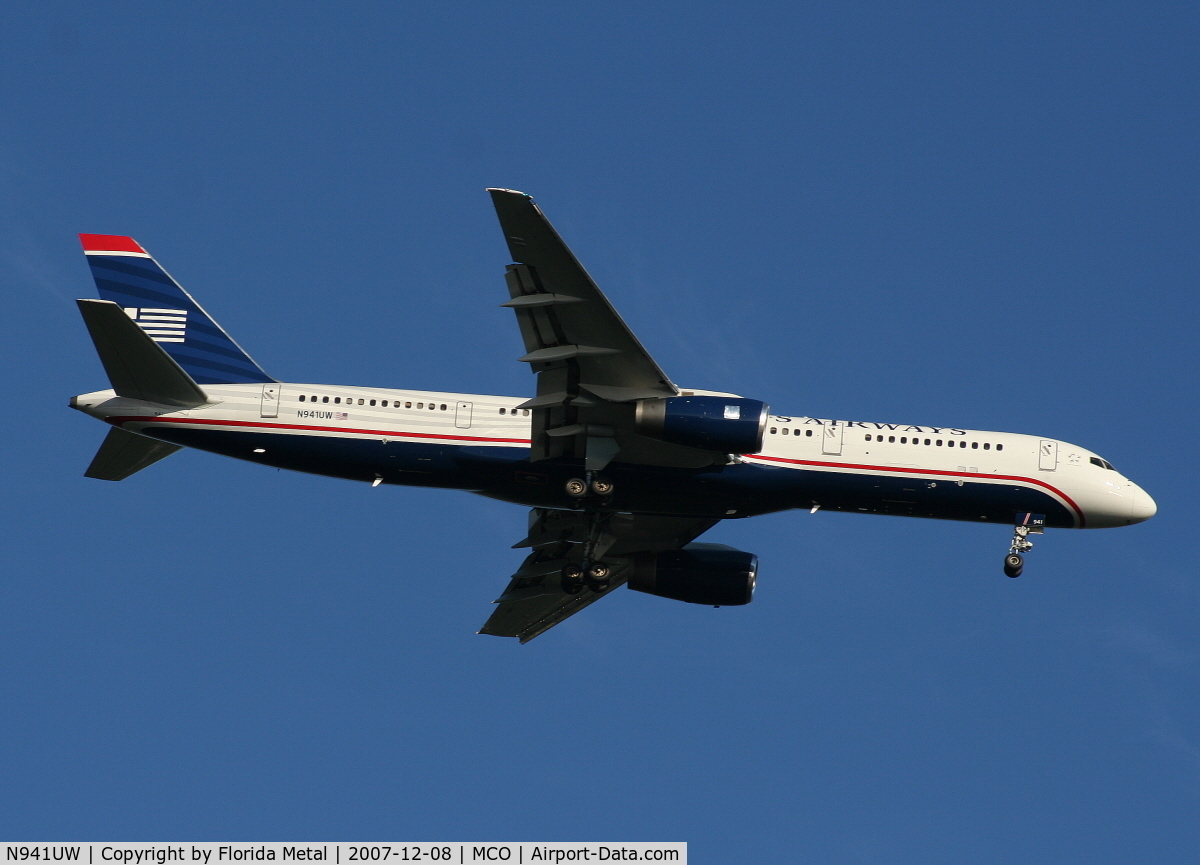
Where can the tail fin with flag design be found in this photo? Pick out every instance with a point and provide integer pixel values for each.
(127, 275)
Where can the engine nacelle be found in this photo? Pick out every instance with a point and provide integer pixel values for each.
(711, 574)
(730, 425)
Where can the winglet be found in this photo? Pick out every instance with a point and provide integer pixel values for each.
(110, 244)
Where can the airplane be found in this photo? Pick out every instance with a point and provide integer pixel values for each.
(621, 469)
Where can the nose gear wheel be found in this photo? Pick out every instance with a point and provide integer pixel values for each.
(1014, 562)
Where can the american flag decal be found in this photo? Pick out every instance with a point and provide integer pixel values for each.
(163, 325)
(340, 415)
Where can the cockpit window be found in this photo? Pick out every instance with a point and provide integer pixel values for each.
(1104, 464)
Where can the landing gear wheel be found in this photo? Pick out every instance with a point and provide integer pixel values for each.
(597, 577)
(572, 580)
(1013, 565)
(602, 487)
(577, 487)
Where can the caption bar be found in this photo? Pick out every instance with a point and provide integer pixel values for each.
(518, 853)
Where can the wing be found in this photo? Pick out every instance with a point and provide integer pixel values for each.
(535, 599)
(590, 367)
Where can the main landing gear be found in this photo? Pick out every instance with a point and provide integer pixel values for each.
(1027, 524)
(595, 577)
(592, 572)
(580, 487)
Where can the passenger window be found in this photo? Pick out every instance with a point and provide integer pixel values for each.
(324, 399)
(962, 444)
(301, 397)
(808, 433)
(868, 438)
(903, 440)
(337, 400)
(443, 406)
(420, 405)
(408, 405)
(372, 402)
(926, 441)
(360, 402)
(987, 446)
(938, 442)
(784, 431)
(525, 412)
(999, 447)
(774, 430)
(891, 439)
(503, 411)
(432, 406)
(974, 446)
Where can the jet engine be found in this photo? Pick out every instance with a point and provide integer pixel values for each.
(730, 425)
(711, 574)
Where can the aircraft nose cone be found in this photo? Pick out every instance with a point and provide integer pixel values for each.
(1144, 507)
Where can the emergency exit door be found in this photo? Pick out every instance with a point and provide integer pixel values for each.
(462, 415)
(831, 439)
(1047, 455)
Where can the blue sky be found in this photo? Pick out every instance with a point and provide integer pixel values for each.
(980, 215)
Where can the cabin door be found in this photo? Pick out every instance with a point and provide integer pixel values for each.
(462, 415)
(1047, 455)
(270, 400)
(831, 439)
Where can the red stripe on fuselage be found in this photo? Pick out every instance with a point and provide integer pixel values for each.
(285, 426)
(394, 434)
(940, 472)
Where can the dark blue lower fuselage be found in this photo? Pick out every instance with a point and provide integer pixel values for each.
(727, 491)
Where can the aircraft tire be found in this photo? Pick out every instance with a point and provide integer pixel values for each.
(572, 580)
(577, 487)
(602, 487)
(1013, 565)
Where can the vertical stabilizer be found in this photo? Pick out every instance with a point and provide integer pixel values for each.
(127, 275)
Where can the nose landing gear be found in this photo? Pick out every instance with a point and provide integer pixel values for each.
(1027, 524)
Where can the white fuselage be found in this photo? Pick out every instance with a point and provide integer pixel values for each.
(1098, 496)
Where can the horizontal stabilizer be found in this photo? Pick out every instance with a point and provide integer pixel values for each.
(137, 366)
(123, 453)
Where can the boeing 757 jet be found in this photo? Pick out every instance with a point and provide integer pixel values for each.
(621, 469)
